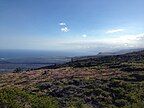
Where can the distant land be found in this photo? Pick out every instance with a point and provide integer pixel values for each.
(26, 59)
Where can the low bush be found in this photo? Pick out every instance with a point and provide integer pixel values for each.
(16, 98)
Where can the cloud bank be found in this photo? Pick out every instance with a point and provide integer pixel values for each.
(107, 44)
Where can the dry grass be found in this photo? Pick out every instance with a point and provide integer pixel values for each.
(27, 79)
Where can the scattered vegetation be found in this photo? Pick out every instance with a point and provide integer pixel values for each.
(102, 82)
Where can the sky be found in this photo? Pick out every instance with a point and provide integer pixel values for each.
(75, 25)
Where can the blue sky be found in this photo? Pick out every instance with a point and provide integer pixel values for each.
(85, 25)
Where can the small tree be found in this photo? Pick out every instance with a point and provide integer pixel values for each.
(17, 70)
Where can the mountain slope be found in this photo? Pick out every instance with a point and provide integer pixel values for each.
(94, 82)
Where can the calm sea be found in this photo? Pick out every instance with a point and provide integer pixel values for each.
(28, 59)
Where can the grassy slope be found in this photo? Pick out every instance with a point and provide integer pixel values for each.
(105, 82)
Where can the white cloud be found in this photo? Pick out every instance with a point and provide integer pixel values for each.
(84, 35)
(62, 24)
(115, 30)
(109, 43)
(65, 29)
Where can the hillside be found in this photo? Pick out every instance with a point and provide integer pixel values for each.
(93, 82)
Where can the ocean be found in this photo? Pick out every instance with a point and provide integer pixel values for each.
(31, 59)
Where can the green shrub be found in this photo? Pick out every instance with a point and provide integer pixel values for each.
(16, 98)
(120, 102)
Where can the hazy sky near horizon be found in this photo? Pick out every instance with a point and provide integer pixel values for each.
(71, 24)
